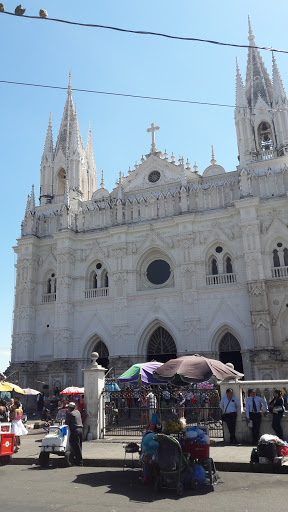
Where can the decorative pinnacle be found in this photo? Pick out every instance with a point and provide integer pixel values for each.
(213, 161)
(188, 165)
(165, 155)
(102, 184)
(251, 36)
(69, 91)
(142, 160)
(173, 158)
(195, 167)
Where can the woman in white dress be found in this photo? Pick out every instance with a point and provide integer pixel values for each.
(17, 426)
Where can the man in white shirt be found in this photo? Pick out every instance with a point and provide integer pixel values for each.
(229, 406)
(253, 412)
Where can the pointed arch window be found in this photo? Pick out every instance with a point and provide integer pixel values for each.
(265, 138)
(276, 259)
(285, 254)
(103, 352)
(97, 282)
(161, 344)
(49, 290)
(214, 267)
(228, 265)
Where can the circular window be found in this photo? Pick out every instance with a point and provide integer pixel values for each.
(154, 176)
(98, 266)
(158, 272)
(219, 249)
(279, 244)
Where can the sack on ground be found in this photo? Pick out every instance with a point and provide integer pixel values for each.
(267, 450)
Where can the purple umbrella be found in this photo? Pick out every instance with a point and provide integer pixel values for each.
(195, 369)
(142, 372)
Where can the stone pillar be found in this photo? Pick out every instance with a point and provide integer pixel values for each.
(94, 384)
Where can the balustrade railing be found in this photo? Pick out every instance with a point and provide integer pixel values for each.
(94, 293)
(217, 279)
(48, 297)
(279, 272)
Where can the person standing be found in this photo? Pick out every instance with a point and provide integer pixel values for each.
(230, 406)
(277, 406)
(74, 422)
(253, 412)
(17, 428)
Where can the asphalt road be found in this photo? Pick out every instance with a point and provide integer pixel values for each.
(31, 489)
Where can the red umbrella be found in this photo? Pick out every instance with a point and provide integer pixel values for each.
(72, 390)
(195, 368)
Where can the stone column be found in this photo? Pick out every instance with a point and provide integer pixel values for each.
(94, 384)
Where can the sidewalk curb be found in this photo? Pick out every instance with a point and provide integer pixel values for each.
(240, 467)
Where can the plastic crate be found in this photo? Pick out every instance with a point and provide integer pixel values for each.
(7, 444)
(196, 450)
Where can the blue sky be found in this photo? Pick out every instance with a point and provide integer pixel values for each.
(44, 52)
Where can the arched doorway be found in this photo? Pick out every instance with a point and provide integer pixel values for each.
(103, 352)
(230, 351)
(161, 346)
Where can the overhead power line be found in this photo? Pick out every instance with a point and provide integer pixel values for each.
(149, 33)
(136, 96)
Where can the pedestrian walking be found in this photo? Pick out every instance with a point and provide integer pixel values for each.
(276, 406)
(254, 406)
(230, 406)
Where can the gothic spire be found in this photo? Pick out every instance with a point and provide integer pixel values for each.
(279, 94)
(241, 101)
(27, 209)
(48, 146)
(75, 142)
(32, 200)
(64, 134)
(258, 82)
(90, 154)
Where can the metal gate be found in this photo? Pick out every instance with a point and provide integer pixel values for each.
(125, 414)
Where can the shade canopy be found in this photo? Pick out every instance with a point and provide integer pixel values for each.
(72, 390)
(141, 372)
(195, 368)
(30, 391)
(9, 386)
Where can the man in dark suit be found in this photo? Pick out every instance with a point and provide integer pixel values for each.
(74, 422)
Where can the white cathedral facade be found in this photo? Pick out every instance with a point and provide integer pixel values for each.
(171, 262)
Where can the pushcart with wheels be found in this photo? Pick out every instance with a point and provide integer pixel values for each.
(6, 443)
(173, 466)
(56, 441)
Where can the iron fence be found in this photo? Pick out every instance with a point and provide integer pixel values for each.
(124, 415)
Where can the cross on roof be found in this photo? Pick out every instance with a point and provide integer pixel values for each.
(153, 129)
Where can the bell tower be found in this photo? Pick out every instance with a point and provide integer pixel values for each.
(261, 113)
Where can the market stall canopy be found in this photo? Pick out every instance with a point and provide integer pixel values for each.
(30, 391)
(9, 386)
(72, 390)
(195, 368)
(141, 372)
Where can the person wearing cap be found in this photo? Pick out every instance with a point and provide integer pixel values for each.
(74, 422)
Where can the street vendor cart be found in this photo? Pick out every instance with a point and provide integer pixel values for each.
(6, 443)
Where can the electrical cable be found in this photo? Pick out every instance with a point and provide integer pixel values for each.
(148, 33)
(136, 96)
